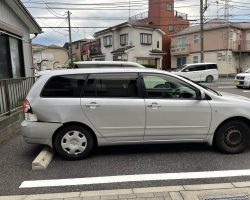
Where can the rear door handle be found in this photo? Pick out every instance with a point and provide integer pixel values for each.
(92, 105)
(154, 105)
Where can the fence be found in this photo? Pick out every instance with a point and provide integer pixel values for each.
(13, 92)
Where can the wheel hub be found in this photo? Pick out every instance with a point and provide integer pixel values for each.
(233, 137)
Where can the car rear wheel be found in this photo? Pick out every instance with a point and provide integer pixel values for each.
(209, 79)
(73, 142)
(232, 137)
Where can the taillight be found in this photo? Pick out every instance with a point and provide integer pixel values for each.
(28, 114)
(26, 106)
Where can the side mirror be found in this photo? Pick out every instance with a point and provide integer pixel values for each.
(201, 95)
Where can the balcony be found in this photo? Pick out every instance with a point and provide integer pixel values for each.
(180, 50)
(241, 46)
(180, 15)
(144, 15)
(139, 17)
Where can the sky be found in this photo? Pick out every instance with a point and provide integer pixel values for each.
(95, 15)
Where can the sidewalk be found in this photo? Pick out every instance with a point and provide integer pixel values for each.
(221, 191)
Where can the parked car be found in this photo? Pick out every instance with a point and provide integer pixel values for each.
(75, 110)
(199, 72)
(242, 80)
(105, 64)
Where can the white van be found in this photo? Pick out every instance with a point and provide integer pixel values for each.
(199, 72)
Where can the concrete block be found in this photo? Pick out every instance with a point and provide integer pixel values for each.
(106, 192)
(176, 196)
(241, 184)
(144, 195)
(19, 197)
(43, 159)
(53, 196)
(158, 189)
(209, 186)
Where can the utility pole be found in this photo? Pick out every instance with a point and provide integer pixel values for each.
(202, 11)
(70, 39)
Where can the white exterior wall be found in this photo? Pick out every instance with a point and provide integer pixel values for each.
(139, 51)
(8, 16)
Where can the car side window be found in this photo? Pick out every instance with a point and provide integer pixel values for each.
(166, 87)
(112, 85)
(64, 86)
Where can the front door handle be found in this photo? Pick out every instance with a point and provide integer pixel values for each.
(92, 105)
(154, 105)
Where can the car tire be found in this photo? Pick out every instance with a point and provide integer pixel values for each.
(232, 137)
(209, 79)
(239, 87)
(73, 142)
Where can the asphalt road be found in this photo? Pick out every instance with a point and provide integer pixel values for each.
(16, 157)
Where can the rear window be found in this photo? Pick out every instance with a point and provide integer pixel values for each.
(212, 66)
(197, 68)
(66, 86)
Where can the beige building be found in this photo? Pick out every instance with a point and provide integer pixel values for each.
(49, 57)
(225, 43)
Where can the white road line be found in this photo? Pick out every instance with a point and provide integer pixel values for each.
(246, 91)
(134, 178)
(226, 87)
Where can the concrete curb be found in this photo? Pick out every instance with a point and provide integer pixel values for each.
(43, 159)
(182, 192)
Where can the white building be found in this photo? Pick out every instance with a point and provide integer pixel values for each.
(16, 25)
(132, 41)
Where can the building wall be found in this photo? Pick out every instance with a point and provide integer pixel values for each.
(139, 50)
(57, 58)
(159, 16)
(8, 17)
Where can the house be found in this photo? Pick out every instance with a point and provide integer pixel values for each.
(161, 13)
(92, 50)
(225, 43)
(77, 48)
(132, 41)
(49, 57)
(16, 25)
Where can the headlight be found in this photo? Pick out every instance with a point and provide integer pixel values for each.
(247, 78)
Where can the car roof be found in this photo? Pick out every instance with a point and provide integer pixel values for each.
(103, 70)
(201, 64)
(108, 63)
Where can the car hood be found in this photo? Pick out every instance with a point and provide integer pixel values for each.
(243, 74)
(234, 96)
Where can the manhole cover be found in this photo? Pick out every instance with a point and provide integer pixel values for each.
(228, 198)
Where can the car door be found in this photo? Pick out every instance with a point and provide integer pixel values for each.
(173, 110)
(190, 73)
(113, 105)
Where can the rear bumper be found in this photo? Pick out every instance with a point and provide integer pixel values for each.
(39, 132)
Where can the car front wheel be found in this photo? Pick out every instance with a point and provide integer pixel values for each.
(209, 79)
(232, 137)
(73, 142)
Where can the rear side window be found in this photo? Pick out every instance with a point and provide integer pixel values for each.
(212, 66)
(112, 85)
(65, 86)
(197, 68)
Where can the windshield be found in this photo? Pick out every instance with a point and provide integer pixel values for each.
(203, 86)
(181, 68)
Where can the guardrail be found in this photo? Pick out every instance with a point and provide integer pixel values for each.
(13, 92)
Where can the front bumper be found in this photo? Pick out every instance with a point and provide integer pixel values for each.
(38, 132)
(242, 83)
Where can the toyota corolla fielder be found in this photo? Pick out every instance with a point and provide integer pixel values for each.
(73, 111)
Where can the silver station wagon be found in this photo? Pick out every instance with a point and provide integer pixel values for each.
(75, 110)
